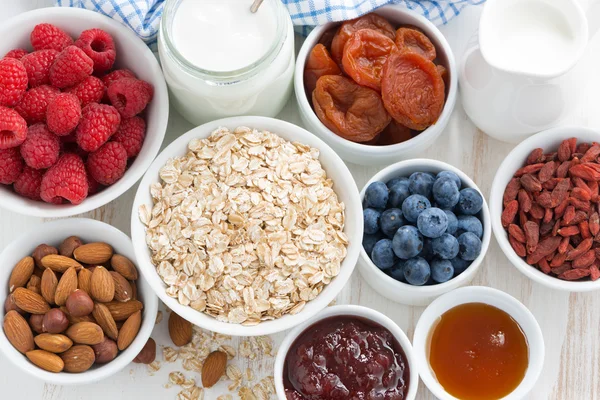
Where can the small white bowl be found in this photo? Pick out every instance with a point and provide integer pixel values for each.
(421, 295)
(53, 233)
(493, 297)
(132, 53)
(354, 311)
(549, 141)
(377, 155)
(343, 185)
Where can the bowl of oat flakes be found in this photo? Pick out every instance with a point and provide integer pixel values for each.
(247, 225)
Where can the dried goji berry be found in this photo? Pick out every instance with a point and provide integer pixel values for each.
(511, 191)
(560, 209)
(582, 147)
(529, 169)
(517, 246)
(537, 211)
(545, 247)
(584, 246)
(544, 267)
(532, 234)
(561, 269)
(547, 171)
(536, 156)
(579, 217)
(551, 183)
(593, 185)
(548, 214)
(592, 153)
(524, 200)
(569, 215)
(555, 228)
(561, 191)
(522, 218)
(594, 223)
(584, 171)
(594, 272)
(563, 169)
(568, 231)
(564, 151)
(530, 183)
(580, 205)
(553, 156)
(574, 274)
(516, 232)
(544, 200)
(563, 246)
(572, 144)
(584, 260)
(584, 229)
(509, 213)
(546, 228)
(558, 259)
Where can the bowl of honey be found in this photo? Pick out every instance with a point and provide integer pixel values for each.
(478, 343)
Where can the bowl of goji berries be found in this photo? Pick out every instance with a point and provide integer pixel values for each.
(545, 206)
(83, 111)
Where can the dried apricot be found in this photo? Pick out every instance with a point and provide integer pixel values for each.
(318, 63)
(369, 21)
(394, 133)
(409, 39)
(444, 74)
(351, 111)
(364, 56)
(412, 90)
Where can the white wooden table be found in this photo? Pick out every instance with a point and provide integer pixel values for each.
(570, 322)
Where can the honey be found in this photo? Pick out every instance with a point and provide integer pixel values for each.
(478, 352)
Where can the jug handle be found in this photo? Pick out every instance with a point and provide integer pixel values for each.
(593, 17)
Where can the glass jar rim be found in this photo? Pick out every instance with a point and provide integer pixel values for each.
(169, 11)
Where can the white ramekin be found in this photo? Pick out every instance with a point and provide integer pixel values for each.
(421, 295)
(53, 233)
(355, 311)
(493, 297)
(549, 141)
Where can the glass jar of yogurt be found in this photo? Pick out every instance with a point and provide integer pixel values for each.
(220, 59)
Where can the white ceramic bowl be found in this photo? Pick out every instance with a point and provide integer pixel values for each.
(344, 186)
(132, 53)
(53, 233)
(549, 141)
(355, 311)
(378, 155)
(493, 297)
(421, 295)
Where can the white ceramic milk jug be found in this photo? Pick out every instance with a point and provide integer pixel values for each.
(518, 77)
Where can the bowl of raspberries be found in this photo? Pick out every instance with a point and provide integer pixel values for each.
(83, 111)
(426, 230)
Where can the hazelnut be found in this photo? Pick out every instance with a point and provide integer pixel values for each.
(36, 323)
(67, 247)
(79, 304)
(9, 305)
(105, 351)
(42, 251)
(55, 321)
(34, 284)
(148, 353)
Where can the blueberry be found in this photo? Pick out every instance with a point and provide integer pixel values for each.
(469, 246)
(414, 205)
(369, 241)
(408, 242)
(432, 222)
(382, 254)
(451, 175)
(441, 270)
(470, 223)
(459, 265)
(397, 271)
(427, 252)
(417, 271)
(445, 247)
(393, 181)
(452, 222)
(391, 220)
(421, 183)
(371, 219)
(470, 202)
(445, 192)
(398, 193)
(376, 195)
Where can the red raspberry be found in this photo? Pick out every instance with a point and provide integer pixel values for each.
(28, 184)
(90, 90)
(131, 135)
(40, 149)
(63, 114)
(98, 123)
(11, 165)
(93, 186)
(100, 47)
(16, 53)
(48, 36)
(37, 65)
(116, 75)
(13, 128)
(130, 96)
(34, 103)
(72, 66)
(65, 180)
(107, 164)
(13, 81)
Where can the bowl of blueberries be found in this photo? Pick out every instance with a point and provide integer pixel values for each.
(426, 230)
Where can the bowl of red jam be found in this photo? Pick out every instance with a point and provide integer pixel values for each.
(346, 352)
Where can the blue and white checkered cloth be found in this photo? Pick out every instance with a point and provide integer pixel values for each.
(143, 16)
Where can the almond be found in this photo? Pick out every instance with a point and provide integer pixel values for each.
(122, 311)
(123, 289)
(48, 285)
(93, 253)
(180, 330)
(103, 318)
(102, 285)
(46, 360)
(68, 245)
(59, 263)
(30, 301)
(213, 368)
(85, 333)
(18, 332)
(133, 290)
(124, 266)
(20, 274)
(34, 284)
(78, 358)
(54, 343)
(66, 286)
(84, 279)
(129, 330)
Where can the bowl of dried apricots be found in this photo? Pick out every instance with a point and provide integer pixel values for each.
(378, 88)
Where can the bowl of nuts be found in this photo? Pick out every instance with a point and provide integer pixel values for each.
(75, 310)
(247, 225)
